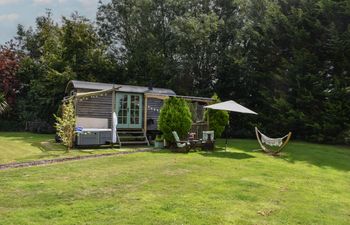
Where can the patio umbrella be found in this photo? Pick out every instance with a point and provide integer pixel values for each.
(231, 106)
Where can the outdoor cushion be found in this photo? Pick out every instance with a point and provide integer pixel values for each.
(206, 135)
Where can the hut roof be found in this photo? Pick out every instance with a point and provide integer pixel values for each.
(76, 84)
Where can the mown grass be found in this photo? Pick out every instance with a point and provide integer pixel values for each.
(309, 184)
(24, 147)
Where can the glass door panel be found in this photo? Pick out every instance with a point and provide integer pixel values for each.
(122, 110)
(135, 111)
(129, 110)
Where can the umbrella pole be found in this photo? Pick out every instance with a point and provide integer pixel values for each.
(226, 137)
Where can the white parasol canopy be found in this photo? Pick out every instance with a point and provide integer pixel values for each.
(230, 106)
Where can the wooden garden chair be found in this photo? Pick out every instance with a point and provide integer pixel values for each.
(183, 146)
(208, 141)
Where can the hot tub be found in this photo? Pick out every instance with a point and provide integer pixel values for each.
(94, 136)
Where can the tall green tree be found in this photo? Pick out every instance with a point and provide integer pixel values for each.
(289, 60)
(163, 42)
(68, 51)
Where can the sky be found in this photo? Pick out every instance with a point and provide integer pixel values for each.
(14, 12)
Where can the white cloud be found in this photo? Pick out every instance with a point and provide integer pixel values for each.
(42, 2)
(9, 17)
(5, 2)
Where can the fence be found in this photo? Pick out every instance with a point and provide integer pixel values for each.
(39, 127)
(198, 128)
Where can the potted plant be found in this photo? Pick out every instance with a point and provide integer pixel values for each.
(159, 141)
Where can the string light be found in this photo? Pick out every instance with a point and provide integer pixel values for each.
(105, 94)
(91, 97)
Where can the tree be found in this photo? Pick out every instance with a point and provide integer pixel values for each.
(218, 119)
(71, 50)
(83, 50)
(163, 42)
(9, 64)
(175, 115)
(44, 73)
(288, 59)
(65, 124)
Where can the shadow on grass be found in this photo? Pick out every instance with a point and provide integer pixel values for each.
(44, 142)
(218, 153)
(229, 155)
(320, 155)
(336, 157)
(27, 136)
(49, 146)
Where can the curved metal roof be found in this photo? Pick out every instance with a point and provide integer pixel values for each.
(123, 88)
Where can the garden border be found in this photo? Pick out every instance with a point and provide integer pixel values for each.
(67, 159)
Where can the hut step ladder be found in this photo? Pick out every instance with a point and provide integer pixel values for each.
(132, 137)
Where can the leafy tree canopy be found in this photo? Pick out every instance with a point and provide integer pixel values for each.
(287, 60)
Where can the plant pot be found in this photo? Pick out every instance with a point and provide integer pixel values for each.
(158, 144)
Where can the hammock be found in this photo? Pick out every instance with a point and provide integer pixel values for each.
(273, 142)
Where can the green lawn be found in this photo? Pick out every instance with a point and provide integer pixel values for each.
(308, 185)
(23, 147)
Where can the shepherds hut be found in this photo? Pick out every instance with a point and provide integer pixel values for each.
(136, 108)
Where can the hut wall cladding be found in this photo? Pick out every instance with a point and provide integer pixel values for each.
(96, 107)
(153, 108)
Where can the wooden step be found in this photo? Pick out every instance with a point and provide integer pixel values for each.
(130, 132)
(134, 142)
(131, 137)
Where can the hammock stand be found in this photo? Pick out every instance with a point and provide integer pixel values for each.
(280, 142)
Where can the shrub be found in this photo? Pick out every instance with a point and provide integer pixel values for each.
(218, 119)
(39, 126)
(159, 138)
(175, 115)
(65, 124)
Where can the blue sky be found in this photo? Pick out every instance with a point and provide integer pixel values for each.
(13, 12)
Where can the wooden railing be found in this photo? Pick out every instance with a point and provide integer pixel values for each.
(198, 128)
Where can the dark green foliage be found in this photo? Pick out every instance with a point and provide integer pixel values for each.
(175, 115)
(287, 60)
(68, 51)
(218, 119)
(9, 125)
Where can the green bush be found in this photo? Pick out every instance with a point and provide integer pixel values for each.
(159, 138)
(65, 125)
(175, 115)
(218, 119)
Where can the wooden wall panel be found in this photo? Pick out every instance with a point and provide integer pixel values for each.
(96, 107)
(153, 110)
